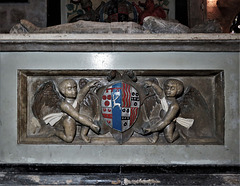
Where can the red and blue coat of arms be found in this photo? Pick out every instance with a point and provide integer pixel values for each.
(120, 106)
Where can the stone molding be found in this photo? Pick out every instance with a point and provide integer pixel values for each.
(119, 42)
(48, 174)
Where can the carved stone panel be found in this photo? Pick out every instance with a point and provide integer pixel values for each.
(147, 107)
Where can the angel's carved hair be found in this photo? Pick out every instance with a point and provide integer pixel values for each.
(178, 83)
(62, 85)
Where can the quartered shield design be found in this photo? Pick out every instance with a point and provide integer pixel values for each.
(120, 106)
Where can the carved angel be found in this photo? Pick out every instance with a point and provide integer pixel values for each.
(176, 107)
(52, 108)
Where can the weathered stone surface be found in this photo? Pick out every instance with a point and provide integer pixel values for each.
(157, 25)
(151, 25)
(88, 27)
(120, 42)
(48, 174)
(211, 26)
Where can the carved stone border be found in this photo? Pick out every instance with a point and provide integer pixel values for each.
(218, 107)
(119, 42)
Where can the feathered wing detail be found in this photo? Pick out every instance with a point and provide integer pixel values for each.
(89, 105)
(150, 103)
(155, 113)
(193, 106)
(46, 100)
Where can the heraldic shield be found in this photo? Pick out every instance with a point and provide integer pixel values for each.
(120, 106)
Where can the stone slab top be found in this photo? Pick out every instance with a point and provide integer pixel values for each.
(119, 42)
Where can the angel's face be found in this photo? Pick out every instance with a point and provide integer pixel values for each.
(71, 90)
(170, 89)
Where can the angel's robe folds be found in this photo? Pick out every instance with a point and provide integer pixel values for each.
(185, 122)
(53, 118)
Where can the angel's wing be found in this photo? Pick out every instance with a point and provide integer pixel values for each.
(151, 102)
(193, 105)
(150, 109)
(46, 100)
(89, 105)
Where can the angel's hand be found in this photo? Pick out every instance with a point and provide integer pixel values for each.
(146, 130)
(93, 83)
(95, 128)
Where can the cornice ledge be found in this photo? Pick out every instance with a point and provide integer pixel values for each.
(119, 42)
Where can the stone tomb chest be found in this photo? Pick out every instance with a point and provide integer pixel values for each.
(119, 99)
